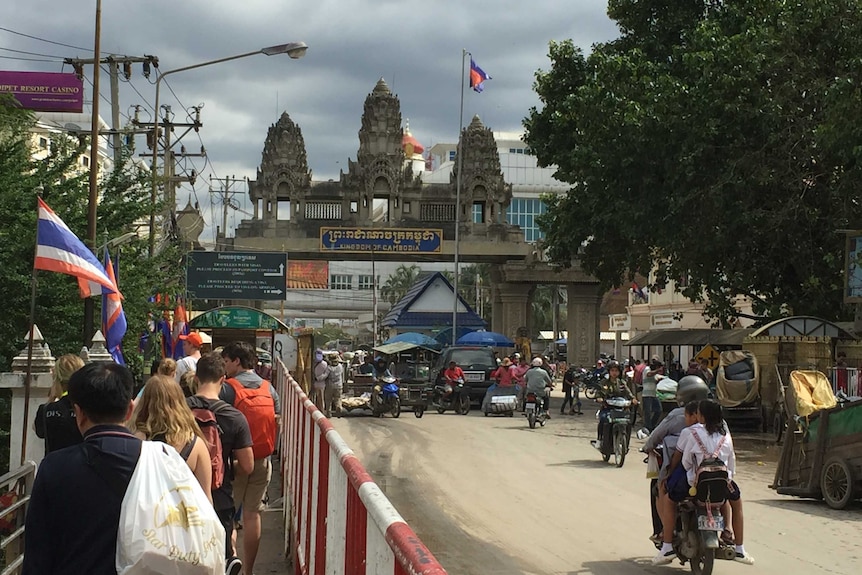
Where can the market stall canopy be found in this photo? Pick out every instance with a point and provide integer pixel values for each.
(414, 337)
(237, 317)
(399, 346)
(695, 337)
(490, 338)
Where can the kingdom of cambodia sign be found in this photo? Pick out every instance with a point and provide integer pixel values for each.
(44, 91)
(401, 240)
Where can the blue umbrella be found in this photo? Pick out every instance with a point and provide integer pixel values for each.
(413, 337)
(562, 340)
(490, 338)
(445, 335)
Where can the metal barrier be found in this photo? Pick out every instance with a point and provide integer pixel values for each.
(337, 520)
(16, 487)
(845, 379)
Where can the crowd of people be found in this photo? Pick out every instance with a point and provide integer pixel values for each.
(212, 408)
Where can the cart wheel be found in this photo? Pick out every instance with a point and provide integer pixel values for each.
(418, 412)
(396, 408)
(441, 411)
(836, 483)
(779, 426)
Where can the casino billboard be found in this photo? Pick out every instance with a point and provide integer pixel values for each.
(44, 91)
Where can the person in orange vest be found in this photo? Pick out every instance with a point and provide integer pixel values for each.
(257, 399)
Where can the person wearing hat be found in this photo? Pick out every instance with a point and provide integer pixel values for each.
(192, 344)
(651, 404)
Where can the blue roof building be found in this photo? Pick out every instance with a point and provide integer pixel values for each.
(427, 307)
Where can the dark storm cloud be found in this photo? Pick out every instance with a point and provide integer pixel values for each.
(415, 46)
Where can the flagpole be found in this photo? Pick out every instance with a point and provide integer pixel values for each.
(28, 375)
(460, 158)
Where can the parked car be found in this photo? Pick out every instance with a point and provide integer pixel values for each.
(477, 363)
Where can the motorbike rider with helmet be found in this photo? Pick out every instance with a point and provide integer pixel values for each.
(613, 386)
(690, 388)
(537, 380)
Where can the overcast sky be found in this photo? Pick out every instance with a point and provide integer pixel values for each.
(415, 46)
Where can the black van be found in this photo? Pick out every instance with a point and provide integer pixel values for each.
(477, 363)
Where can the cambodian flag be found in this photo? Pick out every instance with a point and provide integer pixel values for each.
(113, 319)
(477, 76)
(59, 250)
(181, 327)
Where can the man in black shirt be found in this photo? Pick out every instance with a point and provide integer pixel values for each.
(74, 511)
(235, 441)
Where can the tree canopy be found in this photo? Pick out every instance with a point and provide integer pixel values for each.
(124, 204)
(713, 141)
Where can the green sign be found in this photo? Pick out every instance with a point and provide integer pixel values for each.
(236, 318)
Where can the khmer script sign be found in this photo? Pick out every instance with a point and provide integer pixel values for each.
(391, 240)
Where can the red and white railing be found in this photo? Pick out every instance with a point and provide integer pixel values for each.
(845, 379)
(337, 520)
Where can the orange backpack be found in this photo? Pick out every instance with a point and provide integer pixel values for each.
(258, 407)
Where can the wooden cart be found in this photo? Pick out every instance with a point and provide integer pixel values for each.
(822, 452)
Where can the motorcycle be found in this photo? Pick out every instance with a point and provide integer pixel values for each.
(386, 398)
(616, 432)
(697, 538)
(534, 410)
(458, 400)
(591, 384)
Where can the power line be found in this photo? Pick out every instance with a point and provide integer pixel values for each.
(28, 59)
(44, 40)
(31, 53)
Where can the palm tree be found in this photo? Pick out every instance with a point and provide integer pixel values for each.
(398, 283)
(543, 306)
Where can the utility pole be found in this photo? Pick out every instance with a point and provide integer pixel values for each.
(226, 192)
(166, 141)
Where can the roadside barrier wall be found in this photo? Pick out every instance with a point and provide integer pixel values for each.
(337, 520)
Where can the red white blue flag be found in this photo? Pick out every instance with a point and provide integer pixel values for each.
(59, 250)
(113, 318)
(477, 76)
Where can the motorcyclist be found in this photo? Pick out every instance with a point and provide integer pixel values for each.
(537, 379)
(452, 376)
(381, 368)
(690, 388)
(613, 386)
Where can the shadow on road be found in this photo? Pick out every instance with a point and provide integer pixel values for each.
(815, 507)
(582, 463)
(620, 566)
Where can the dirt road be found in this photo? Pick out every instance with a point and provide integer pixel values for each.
(489, 496)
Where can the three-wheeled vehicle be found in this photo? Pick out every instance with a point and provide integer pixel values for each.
(822, 451)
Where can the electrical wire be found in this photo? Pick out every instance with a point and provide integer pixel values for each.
(43, 39)
(32, 53)
(28, 59)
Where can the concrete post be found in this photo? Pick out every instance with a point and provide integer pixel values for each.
(496, 310)
(40, 384)
(583, 324)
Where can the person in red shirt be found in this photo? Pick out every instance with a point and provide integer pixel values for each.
(451, 375)
(503, 375)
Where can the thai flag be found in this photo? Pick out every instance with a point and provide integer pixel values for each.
(181, 327)
(477, 76)
(59, 250)
(113, 319)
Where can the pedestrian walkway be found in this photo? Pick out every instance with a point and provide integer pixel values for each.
(270, 557)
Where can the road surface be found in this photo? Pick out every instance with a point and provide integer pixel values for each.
(488, 496)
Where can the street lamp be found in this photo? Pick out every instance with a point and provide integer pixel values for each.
(294, 50)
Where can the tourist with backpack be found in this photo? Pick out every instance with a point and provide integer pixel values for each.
(257, 399)
(162, 415)
(228, 436)
(704, 454)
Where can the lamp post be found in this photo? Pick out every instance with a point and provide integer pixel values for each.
(294, 50)
(93, 196)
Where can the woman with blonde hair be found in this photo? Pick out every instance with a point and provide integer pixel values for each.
(162, 414)
(167, 367)
(55, 420)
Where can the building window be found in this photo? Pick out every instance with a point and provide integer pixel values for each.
(354, 207)
(522, 212)
(340, 281)
(478, 212)
(366, 282)
(43, 143)
(85, 161)
(512, 150)
(406, 207)
(451, 155)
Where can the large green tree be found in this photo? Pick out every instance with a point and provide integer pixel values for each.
(123, 207)
(714, 141)
(401, 280)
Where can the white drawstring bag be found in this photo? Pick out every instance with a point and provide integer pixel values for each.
(167, 524)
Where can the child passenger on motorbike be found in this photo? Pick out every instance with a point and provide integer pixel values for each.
(613, 386)
(708, 425)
